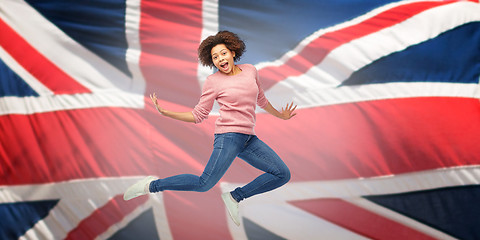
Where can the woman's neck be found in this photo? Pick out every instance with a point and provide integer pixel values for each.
(235, 70)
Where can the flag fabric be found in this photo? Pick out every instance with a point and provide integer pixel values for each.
(385, 144)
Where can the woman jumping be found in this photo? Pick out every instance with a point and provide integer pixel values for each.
(236, 89)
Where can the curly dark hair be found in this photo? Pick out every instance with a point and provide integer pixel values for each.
(231, 41)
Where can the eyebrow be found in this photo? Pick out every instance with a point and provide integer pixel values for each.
(219, 51)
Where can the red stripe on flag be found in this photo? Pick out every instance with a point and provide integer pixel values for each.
(359, 220)
(84, 143)
(103, 218)
(203, 214)
(170, 32)
(36, 64)
(314, 53)
(364, 139)
(376, 138)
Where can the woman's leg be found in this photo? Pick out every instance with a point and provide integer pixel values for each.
(261, 156)
(225, 149)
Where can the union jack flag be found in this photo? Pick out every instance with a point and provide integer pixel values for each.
(385, 144)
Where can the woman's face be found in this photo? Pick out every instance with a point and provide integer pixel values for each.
(222, 58)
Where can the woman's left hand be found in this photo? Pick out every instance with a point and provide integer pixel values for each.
(288, 111)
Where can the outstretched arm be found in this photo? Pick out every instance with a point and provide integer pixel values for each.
(182, 116)
(285, 114)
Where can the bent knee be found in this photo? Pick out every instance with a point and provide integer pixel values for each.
(205, 186)
(284, 175)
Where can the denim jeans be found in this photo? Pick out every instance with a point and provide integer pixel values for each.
(226, 148)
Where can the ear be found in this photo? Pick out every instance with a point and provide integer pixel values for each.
(233, 53)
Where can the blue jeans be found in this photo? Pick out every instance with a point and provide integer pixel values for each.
(226, 148)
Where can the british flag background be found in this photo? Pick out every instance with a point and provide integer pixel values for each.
(385, 144)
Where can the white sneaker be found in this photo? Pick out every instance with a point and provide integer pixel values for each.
(139, 188)
(232, 207)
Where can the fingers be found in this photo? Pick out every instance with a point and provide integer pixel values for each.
(154, 98)
(294, 108)
(289, 110)
(290, 107)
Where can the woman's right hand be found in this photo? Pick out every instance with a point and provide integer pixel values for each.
(155, 102)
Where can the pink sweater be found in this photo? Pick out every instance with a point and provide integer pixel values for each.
(237, 96)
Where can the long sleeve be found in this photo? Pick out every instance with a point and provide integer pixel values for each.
(204, 106)
(261, 99)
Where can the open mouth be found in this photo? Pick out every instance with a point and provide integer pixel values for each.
(224, 65)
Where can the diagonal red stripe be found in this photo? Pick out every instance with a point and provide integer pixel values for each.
(318, 49)
(101, 219)
(36, 64)
(359, 220)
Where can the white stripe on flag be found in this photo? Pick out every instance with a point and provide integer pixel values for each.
(351, 188)
(210, 27)
(306, 97)
(30, 105)
(132, 32)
